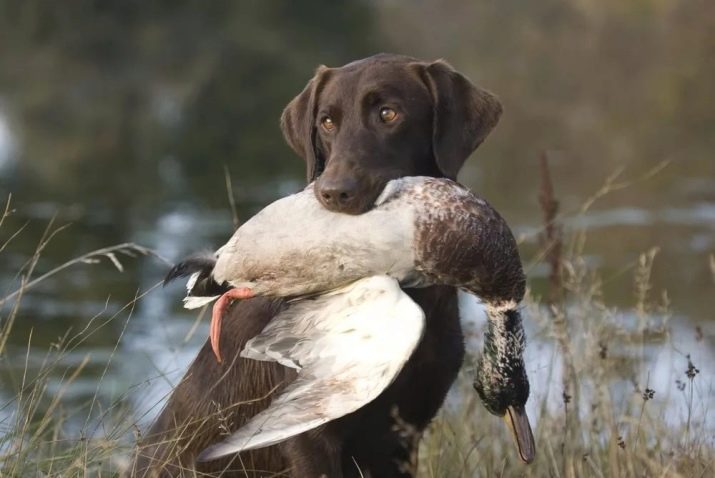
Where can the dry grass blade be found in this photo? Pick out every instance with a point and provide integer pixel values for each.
(612, 184)
(231, 197)
(552, 239)
(7, 211)
(88, 258)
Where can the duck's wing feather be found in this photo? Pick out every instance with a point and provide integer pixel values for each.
(348, 346)
(194, 298)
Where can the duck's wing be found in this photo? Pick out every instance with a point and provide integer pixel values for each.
(348, 346)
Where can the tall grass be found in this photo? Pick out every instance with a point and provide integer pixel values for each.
(33, 432)
(599, 418)
(608, 423)
(587, 425)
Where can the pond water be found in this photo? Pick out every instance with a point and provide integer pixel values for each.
(115, 145)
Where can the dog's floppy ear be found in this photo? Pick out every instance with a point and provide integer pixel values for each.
(463, 115)
(298, 123)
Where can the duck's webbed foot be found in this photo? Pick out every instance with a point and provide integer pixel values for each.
(219, 309)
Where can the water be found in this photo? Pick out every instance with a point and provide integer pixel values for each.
(125, 144)
(659, 363)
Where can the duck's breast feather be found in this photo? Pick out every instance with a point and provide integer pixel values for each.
(296, 246)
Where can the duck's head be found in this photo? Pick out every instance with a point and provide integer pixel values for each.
(501, 380)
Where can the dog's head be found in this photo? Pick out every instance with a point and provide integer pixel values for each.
(387, 116)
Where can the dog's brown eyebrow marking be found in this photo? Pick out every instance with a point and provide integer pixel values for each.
(333, 111)
(383, 93)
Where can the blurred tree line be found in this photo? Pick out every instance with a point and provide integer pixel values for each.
(115, 102)
(105, 94)
(605, 82)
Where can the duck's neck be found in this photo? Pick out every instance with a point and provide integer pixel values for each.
(504, 344)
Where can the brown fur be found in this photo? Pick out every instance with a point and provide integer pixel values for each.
(443, 118)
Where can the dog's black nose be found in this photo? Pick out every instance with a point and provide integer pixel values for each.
(337, 194)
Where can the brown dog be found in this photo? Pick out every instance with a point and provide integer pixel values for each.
(357, 127)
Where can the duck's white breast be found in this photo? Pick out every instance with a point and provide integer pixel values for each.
(295, 246)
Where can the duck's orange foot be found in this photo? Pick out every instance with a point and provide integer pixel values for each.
(219, 310)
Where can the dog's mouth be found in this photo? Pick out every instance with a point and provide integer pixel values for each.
(351, 192)
(354, 208)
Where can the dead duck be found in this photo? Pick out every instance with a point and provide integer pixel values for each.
(421, 231)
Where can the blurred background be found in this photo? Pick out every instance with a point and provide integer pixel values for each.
(123, 120)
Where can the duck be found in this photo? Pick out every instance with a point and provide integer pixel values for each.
(421, 231)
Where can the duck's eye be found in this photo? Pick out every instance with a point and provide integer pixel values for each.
(327, 123)
(387, 115)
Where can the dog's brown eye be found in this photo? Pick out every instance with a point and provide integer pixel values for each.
(387, 115)
(327, 123)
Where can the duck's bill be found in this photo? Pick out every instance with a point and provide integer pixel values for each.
(518, 423)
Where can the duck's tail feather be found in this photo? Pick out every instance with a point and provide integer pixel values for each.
(201, 287)
(196, 263)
